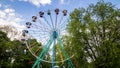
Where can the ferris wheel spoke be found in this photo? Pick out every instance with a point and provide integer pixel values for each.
(38, 32)
(37, 26)
(63, 25)
(39, 37)
(47, 22)
(41, 28)
(63, 30)
(44, 24)
(56, 21)
(60, 21)
(45, 37)
(51, 20)
(44, 41)
(32, 45)
(38, 50)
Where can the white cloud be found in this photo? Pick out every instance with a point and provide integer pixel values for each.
(38, 2)
(8, 17)
(62, 1)
(2, 14)
(11, 14)
(8, 10)
(65, 1)
(45, 2)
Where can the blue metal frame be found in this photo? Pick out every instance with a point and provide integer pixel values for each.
(42, 54)
(54, 37)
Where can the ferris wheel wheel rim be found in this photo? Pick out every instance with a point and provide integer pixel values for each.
(61, 23)
(45, 60)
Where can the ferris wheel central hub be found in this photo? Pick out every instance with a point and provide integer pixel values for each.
(55, 34)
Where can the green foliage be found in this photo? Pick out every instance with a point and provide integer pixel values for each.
(10, 50)
(3, 47)
(94, 36)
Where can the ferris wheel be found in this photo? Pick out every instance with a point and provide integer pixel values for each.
(43, 37)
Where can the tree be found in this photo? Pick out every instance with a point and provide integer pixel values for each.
(12, 53)
(5, 51)
(22, 56)
(94, 35)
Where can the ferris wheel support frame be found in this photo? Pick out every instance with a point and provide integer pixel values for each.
(54, 37)
(53, 40)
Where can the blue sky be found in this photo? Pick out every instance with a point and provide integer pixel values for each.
(16, 12)
(27, 8)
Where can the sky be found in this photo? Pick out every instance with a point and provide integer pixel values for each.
(17, 12)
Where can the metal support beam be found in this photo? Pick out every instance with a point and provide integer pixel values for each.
(54, 37)
(70, 65)
(42, 54)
